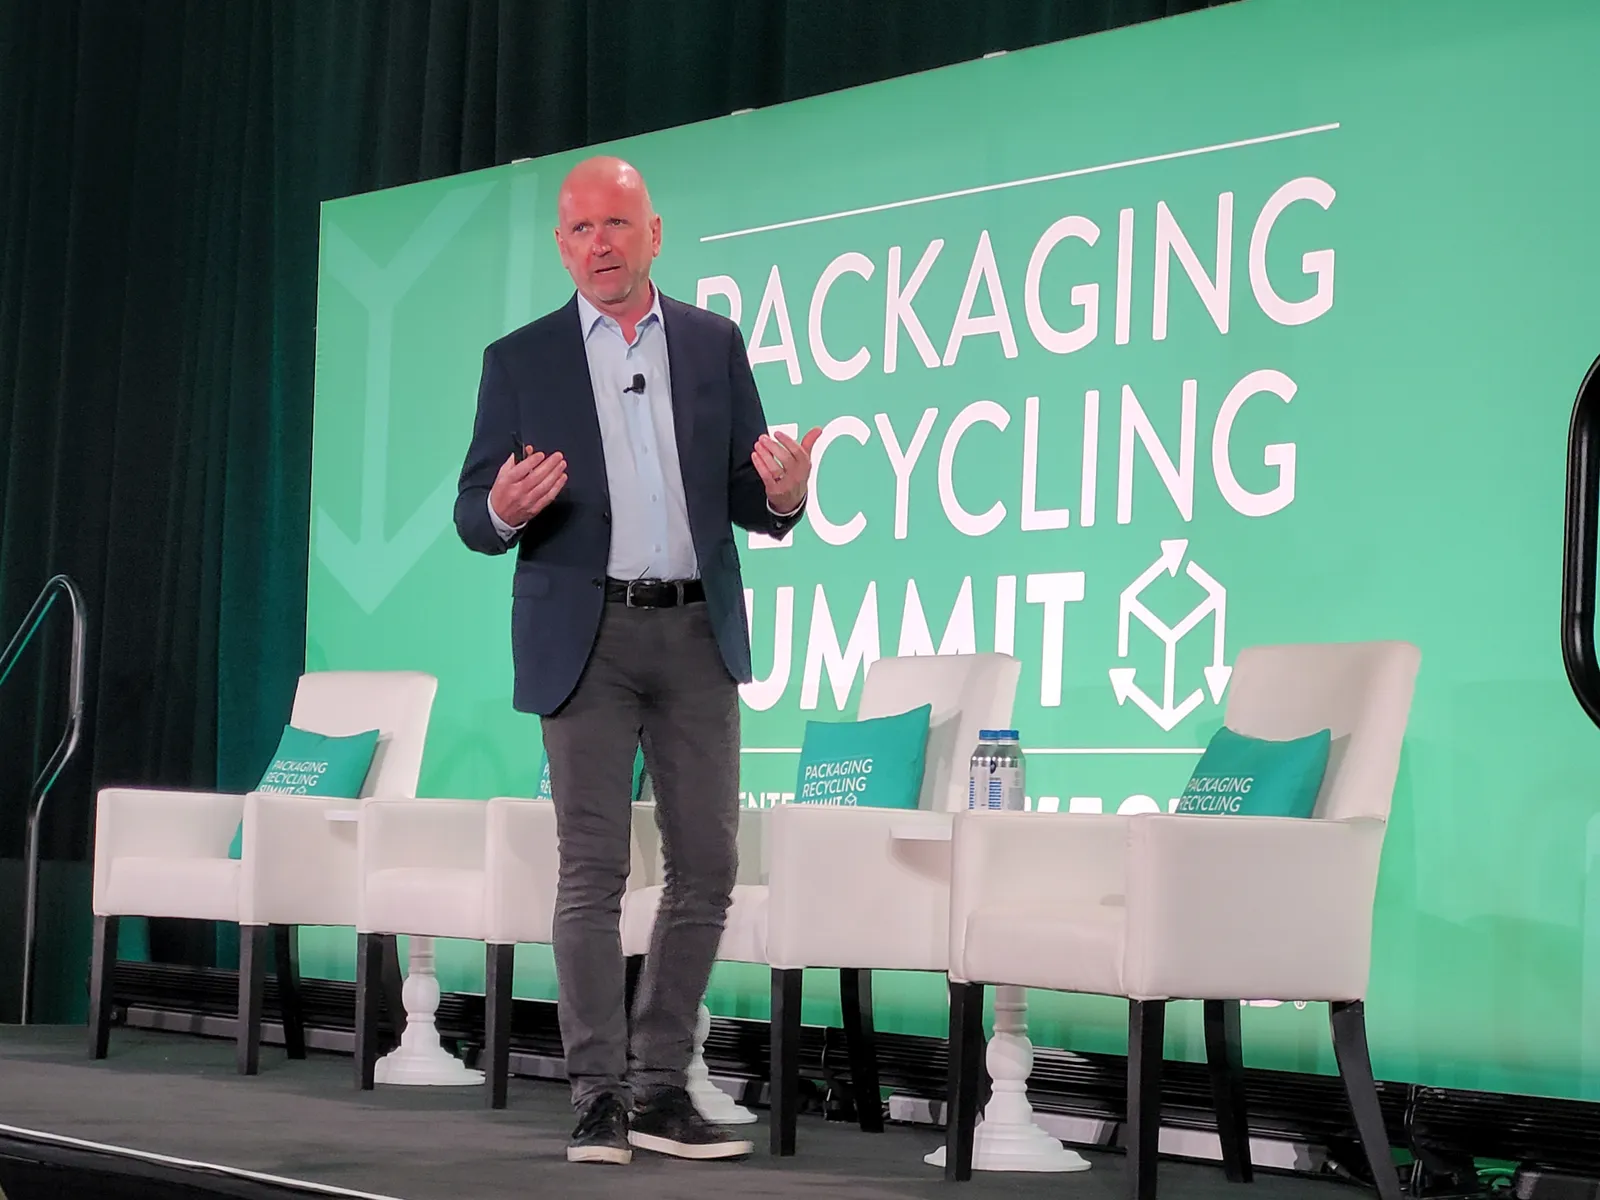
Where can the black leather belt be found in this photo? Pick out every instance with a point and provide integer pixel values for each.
(655, 593)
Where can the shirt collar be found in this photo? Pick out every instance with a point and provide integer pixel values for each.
(589, 316)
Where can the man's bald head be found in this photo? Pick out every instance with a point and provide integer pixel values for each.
(607, 172)
(608, 234)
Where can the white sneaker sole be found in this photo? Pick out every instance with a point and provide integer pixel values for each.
(620, 1155)
(661, 1145)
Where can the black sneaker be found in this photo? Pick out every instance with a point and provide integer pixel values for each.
(602, 1132)
(666, 1121)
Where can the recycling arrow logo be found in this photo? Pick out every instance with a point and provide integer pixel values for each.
(1168, 711)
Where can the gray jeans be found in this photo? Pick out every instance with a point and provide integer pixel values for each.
(657, 679)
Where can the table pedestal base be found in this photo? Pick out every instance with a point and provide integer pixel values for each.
(714, 1104)
(421, 1060)
(1007, 1138)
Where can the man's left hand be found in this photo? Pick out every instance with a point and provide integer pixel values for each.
(785, 468)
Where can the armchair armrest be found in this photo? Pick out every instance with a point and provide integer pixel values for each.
(1033, 864)
(298, 868)
(403, 832)
(156, 823)
(523, 863)
(848, 888)
(420, 866)
(1251, 907)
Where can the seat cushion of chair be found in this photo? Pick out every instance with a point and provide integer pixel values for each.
(744, 936)
(432, 901)
(1082, 953)
(204, 889)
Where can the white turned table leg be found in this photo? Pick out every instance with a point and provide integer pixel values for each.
(714, 1104)
(420, 1060)
(1007, 1137)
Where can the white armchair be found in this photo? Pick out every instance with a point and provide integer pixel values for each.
(162, 853)
(524, 866)
(744, 932)
(421, 870)
(811, 875)
(524, 869)
(1158, 907)
(859, 889)
(462, 869)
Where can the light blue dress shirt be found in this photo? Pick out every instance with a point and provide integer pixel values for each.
(650, 536)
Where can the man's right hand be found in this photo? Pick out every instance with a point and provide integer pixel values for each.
(522, 490)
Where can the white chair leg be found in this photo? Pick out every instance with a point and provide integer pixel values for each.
(714, 1104)
(421, 1060)
(1007, 1138)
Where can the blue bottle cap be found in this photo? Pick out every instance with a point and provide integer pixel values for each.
(1006, 735)
(988, 735)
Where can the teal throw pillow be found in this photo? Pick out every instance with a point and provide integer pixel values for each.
(876, 763)
(544, 774)
(1253, 777)
(313, 764)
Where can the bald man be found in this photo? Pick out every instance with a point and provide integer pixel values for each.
(639, 442)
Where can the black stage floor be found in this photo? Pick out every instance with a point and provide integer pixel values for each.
(177, 1096)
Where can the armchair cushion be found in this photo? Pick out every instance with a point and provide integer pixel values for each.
(314, 764)
(204, 889)
(875, 763)
(1032, 949)
(1255, 777)
(428, 901)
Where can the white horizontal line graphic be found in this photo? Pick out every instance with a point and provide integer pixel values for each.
(1097, 169)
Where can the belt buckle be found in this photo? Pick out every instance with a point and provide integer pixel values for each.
(677, 586)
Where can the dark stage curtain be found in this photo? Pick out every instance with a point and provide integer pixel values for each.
(161, 165)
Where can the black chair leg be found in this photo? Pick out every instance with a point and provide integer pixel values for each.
(393, 988)
(1225, 1059)
(1349, 1021)
(1146, 1030)
(369, 968)
(787, 991)
(102, 970)
(497, 969)
(961, 1088)
(861, 1041)
(291, 1006)
(252, 984)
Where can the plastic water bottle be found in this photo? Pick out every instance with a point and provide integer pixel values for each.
(978, 770)
(995, 779)
(1010, 771)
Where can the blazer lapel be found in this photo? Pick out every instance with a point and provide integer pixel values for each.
(685, 377)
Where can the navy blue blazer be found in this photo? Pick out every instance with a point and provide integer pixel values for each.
(536, 383)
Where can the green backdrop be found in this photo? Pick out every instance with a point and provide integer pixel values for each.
(1258, 325)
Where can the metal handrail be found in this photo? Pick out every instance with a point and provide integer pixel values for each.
(58, 585)
(1578, 563)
